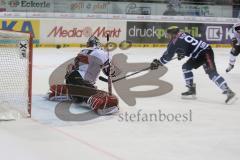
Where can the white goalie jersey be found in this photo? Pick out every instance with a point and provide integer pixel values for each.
(89, 63)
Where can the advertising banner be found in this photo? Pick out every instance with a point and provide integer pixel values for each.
(108, 7)
(154, 32)
(77, 31)
(32, 26)
(166, 9)
(217, 33)
(83, 6)
(61, 6)
(29, 5)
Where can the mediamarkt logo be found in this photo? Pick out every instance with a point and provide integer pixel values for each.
(86, 32)
(29, 4)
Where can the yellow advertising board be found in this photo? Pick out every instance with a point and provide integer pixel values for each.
(22, 25)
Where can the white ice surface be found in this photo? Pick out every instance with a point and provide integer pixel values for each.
(213, 133)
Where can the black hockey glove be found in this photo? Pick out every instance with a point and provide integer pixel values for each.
(180, 56)
(155, 64)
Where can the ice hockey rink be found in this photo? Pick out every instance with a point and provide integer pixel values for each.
(212, 134)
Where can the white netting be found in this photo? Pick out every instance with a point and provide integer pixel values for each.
(14, 72)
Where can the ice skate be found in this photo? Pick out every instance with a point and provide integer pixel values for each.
(191, 93)
(231, 97)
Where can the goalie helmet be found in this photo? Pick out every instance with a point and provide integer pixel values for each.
(93, 41)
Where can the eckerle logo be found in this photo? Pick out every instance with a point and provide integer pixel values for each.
(87, 31)
(214, 33)
(29, 4)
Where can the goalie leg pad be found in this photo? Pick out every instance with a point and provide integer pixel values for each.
(58, 93)
(108, 111)
(103, 103)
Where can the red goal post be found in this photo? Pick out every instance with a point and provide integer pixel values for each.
(16, 74)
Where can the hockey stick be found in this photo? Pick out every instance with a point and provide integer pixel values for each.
(109, 80)
(106, 80)
(109, 61)
(144, 69)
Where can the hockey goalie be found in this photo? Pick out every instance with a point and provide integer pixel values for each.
(80, 79)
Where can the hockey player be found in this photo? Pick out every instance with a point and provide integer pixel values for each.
(235, 47)
(200, 54)
(81, 77)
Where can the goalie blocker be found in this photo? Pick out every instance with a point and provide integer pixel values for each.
(99, 101)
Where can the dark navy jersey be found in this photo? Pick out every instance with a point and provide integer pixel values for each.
(184, 44)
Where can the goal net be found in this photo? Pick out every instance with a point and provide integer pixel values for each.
(16, 73)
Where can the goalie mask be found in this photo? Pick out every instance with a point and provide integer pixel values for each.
(93, 41)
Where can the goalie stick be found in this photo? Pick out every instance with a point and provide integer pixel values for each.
(109, 80)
